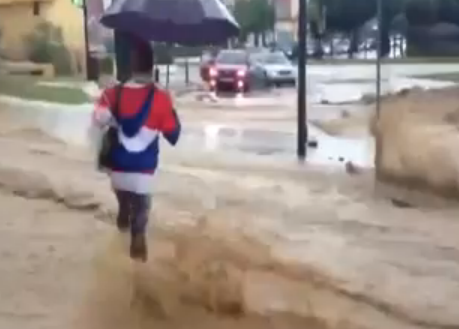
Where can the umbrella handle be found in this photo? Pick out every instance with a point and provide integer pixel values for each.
(168, 68)
(156, 74)
(167, 76)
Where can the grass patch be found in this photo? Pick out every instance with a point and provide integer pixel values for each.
(29, 88)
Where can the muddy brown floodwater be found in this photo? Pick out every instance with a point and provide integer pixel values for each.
(247, 244)
(64, 265)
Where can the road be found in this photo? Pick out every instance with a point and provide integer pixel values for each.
(338, 83)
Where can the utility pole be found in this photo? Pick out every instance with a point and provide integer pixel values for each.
(379, 19)
(89, 72)
(302, 128)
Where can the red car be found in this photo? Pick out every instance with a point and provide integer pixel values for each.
(230, 70)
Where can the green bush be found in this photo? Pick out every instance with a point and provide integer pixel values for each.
(45, 45)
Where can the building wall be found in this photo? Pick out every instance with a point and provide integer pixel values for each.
(17, 20)
(69, 18)
(286, 14)
(286, 9)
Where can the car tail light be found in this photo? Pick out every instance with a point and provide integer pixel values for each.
(213, 72)
(241, 73)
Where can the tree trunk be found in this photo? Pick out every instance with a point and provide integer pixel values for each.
(257, 39)
(354, 43)
(332, 45)
(318, 47)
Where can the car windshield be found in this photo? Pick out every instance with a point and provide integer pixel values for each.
(272, 58)
(231, 57)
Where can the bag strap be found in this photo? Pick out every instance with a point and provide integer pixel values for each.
(150, 96)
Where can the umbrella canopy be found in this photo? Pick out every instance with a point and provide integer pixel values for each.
(187, 22)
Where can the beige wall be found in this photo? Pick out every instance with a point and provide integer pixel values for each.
(18, 20)
(287, 18)
(294, 8)
(286, 25)
(64, 14)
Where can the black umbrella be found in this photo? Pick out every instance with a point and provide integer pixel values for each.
(188, 22)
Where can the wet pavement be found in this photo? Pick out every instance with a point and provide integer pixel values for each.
(212, 137)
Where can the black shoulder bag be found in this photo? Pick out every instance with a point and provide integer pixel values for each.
(110, 137)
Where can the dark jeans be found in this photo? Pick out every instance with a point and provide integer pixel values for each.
(133, 210)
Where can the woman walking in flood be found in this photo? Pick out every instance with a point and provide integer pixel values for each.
(137, 112)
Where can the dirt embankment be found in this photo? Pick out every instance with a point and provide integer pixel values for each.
(417, 138)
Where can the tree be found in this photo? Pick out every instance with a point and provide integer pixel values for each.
(448, 11)
(263, 18)
(421, 12)
(348, 16)
(254, 16)
(318, 25)
(345, 16)
(242, 14)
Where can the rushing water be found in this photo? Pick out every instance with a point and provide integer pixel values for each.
(324, 244)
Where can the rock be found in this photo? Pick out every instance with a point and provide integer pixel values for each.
(400, 203)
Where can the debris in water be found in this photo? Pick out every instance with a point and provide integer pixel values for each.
(352, 168)
(401, 203)
(313, 143)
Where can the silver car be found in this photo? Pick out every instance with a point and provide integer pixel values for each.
(276, 66)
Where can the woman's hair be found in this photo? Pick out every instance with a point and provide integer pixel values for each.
(141, 57)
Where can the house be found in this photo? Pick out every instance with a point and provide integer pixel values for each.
(286, 20)
(19, 18)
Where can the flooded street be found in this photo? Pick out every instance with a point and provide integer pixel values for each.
(242, 235)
